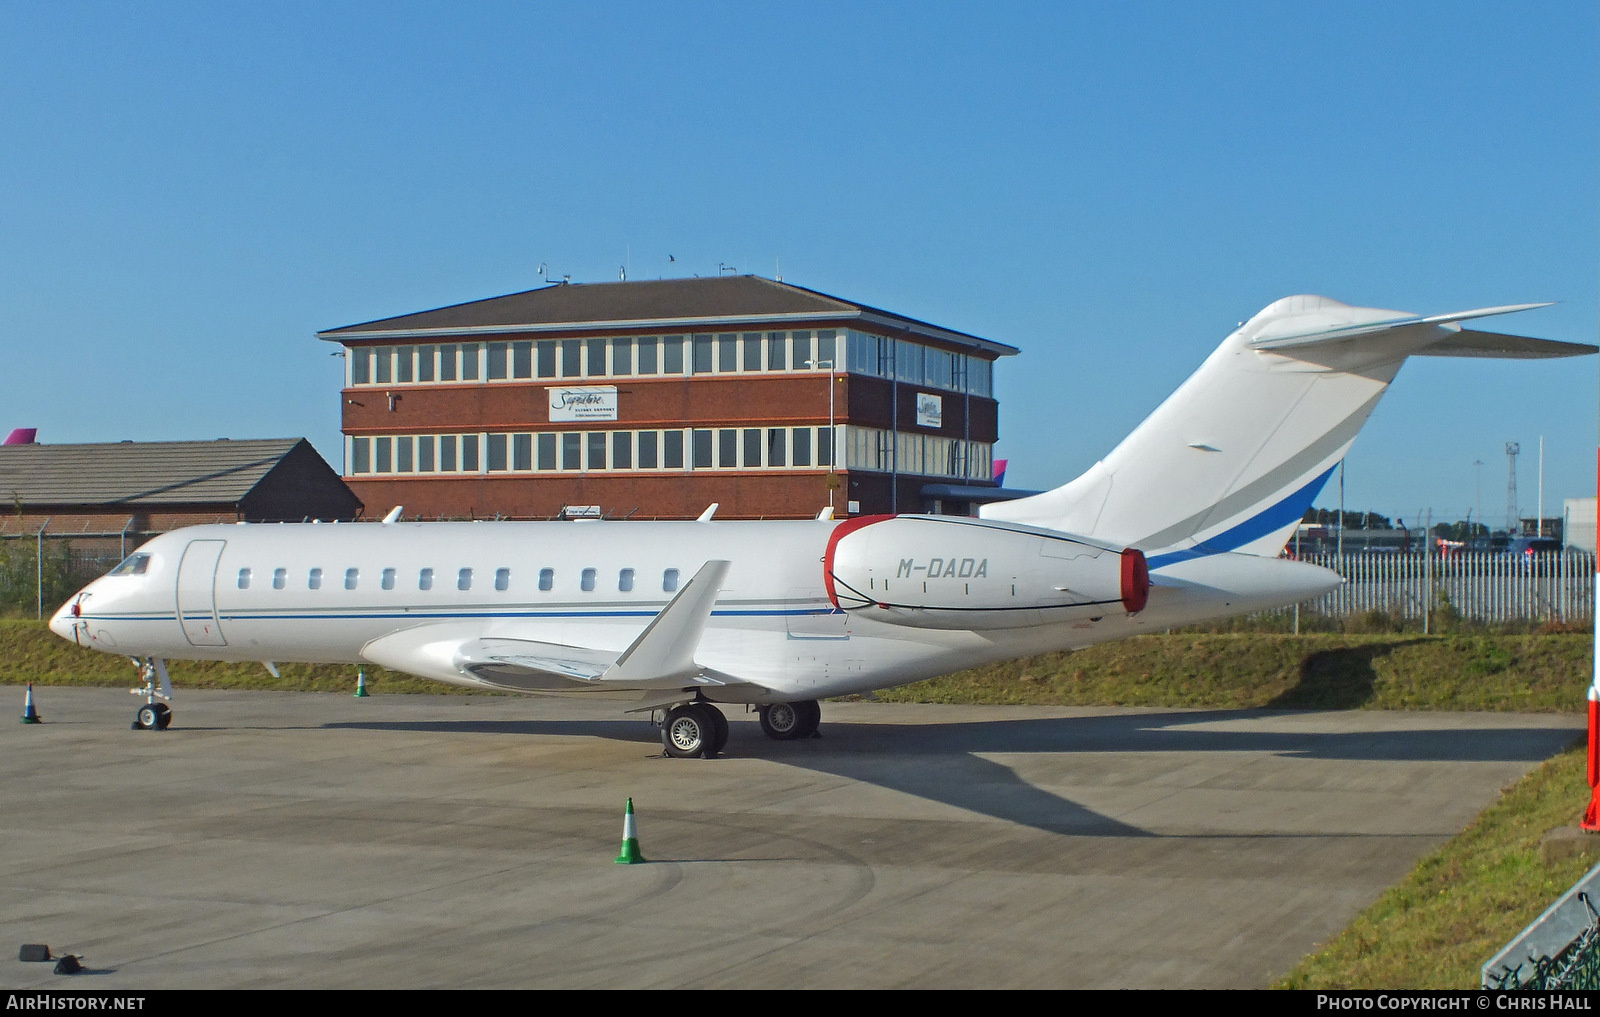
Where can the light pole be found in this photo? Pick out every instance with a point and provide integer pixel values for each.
(833, 441)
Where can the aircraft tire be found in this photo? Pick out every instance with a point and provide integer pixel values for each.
(786, 722)
(719, 723)
(153, 717)
(688, 732)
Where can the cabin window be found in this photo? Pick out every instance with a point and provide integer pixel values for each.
(669, 581)
(314, 580)
(351, 577)
(135, 565)
(388, 579)
(502, 579)
(425, 579)
(588, 580)
(464, 579)
(244, 579)
(625, 580)
(280, 578)
(547, 579)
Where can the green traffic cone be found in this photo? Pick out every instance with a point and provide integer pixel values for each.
(361, 684)
(630, 840)
(29, 714)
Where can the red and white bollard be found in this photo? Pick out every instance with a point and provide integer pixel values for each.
(1591, 815)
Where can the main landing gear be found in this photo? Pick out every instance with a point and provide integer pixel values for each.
(694, 729)
(152, 716)
(700, 729)
(791, 721)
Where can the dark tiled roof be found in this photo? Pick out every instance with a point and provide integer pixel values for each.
(138, 473)
(722, 300)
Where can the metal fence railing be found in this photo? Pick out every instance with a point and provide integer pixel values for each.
(1479, 586)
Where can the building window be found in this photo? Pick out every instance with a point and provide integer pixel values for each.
(547, 451)
(777, 446)
(502, 579)
(244, 579)
(703, 353)
(647, 450)
(522, 359)
(522, 452)
(464, 579)
(351, 577)
(571, 450)
(387, 580)
(702, 449)
(314, 579)
(447, 362)
(777, 351)
(752, 351)
(360, 455)
(672, 450)
(622, 356)
(622, 450)
(647, 354)
(447, 453)
(383, 360)
(545, 355)
(596, 440)
(425, 453)
(625, 580)
(672, 354)
(669, 581)
(571, 358)
(497, 361)
(469, 453)
(547, 579)
(727, 352)
(727, 448)
(802, 446)
(596, 351)
(403, 447)
(360, 364)
(497, 452)
(425, 579)
(469, 361)
(383, 460)
(280, 578)
(752, 446)
(403, 364)
(587, 580)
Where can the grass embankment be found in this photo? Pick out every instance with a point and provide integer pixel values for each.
(30, 652)
(1229, 670)
(1236, 670)
(1464, 902)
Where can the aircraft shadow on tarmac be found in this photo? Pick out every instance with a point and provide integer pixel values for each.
(944, 762)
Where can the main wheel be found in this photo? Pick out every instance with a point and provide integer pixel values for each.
(720, 727)
(789, 721)
(689, 731)
(153, 717)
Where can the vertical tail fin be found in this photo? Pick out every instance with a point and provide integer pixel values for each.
(1234, 457)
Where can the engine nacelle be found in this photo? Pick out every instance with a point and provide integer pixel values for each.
(949, 572)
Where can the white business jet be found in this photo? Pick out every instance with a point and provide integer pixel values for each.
(1181, 523)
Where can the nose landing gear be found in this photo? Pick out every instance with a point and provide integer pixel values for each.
(152, 716)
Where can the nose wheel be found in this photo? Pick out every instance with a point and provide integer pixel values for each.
(153, 715)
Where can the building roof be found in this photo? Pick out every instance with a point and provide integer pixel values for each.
(147, 474)
(709, 303)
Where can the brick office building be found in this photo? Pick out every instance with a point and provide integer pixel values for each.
(655, 399)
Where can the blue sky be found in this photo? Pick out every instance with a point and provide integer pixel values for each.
(189, 191)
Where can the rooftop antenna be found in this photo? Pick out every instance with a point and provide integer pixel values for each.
(721, 268)
(1512, 450)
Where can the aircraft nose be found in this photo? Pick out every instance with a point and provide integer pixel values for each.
(61, 622)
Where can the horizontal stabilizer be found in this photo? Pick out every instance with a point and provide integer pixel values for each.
(1282, 334)
(1469, 343)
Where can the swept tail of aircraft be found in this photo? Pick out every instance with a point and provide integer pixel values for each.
(1231, 460)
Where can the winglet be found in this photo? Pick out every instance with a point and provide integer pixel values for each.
(665, 649)
(394, 514)
(826, 513)
(711, 510)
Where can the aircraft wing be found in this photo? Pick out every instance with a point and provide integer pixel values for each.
(660, 658)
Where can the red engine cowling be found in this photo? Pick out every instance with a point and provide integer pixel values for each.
(956, 573)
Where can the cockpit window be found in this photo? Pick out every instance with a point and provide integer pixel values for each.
(135, 565)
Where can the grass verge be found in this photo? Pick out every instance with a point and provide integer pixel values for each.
(1465, 901)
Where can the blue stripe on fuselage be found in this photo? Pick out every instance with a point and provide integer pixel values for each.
(1291, 509)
